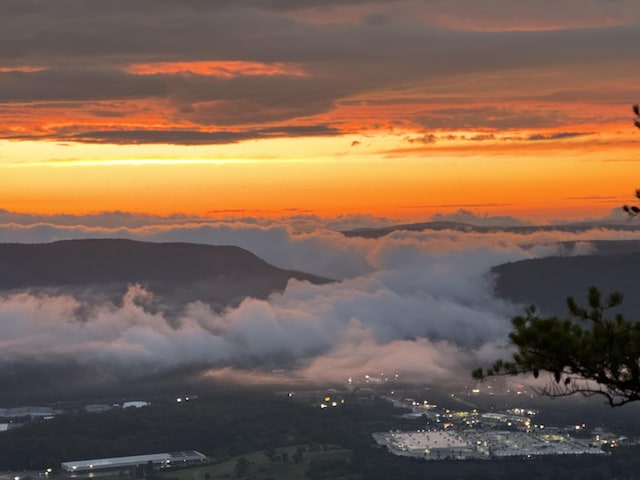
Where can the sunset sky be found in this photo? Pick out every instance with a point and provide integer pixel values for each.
(396, 108)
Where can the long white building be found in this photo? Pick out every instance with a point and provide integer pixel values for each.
(27, 412)
(159, 460)
(427, 444)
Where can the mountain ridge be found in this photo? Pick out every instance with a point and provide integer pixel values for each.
(547, 282)
(178, 271)
(377, 232)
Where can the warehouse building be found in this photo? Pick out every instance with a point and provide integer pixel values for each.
(32, 412)
(158, 460)
(427, 444)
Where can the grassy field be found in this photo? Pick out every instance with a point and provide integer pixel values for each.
(258, 465)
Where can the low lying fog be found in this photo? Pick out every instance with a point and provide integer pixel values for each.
(417, 305)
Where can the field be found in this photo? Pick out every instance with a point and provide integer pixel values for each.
(295, 462)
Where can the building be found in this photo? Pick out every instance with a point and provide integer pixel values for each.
(135, 404)
(427, 444)
(32, 412)
(158, 460)
(97, 408)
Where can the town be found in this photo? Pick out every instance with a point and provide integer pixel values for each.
(427, 424)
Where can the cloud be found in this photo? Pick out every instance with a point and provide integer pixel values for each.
(106, 220)
(249, 64)
(468, 15)
(490, 117)
(74, 30)
(306, 243)
(557, 136)
(177, 101)
(424, 140)
(226, 69)
(77, 84)
(416, 304)
(481, 137)
(181, 136)
(431, 138)
(419, 361)
(467, 216)
(406, 300)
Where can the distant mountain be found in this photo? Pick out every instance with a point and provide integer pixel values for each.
(378, 232)
(547, 282)
(177, 272)
(467, 227)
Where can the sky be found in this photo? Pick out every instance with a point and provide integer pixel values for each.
(268, 108)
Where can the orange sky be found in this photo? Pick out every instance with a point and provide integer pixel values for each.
(400, 110)
(402, 182)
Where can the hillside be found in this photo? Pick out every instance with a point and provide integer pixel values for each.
(547, 282)
(178, 272)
